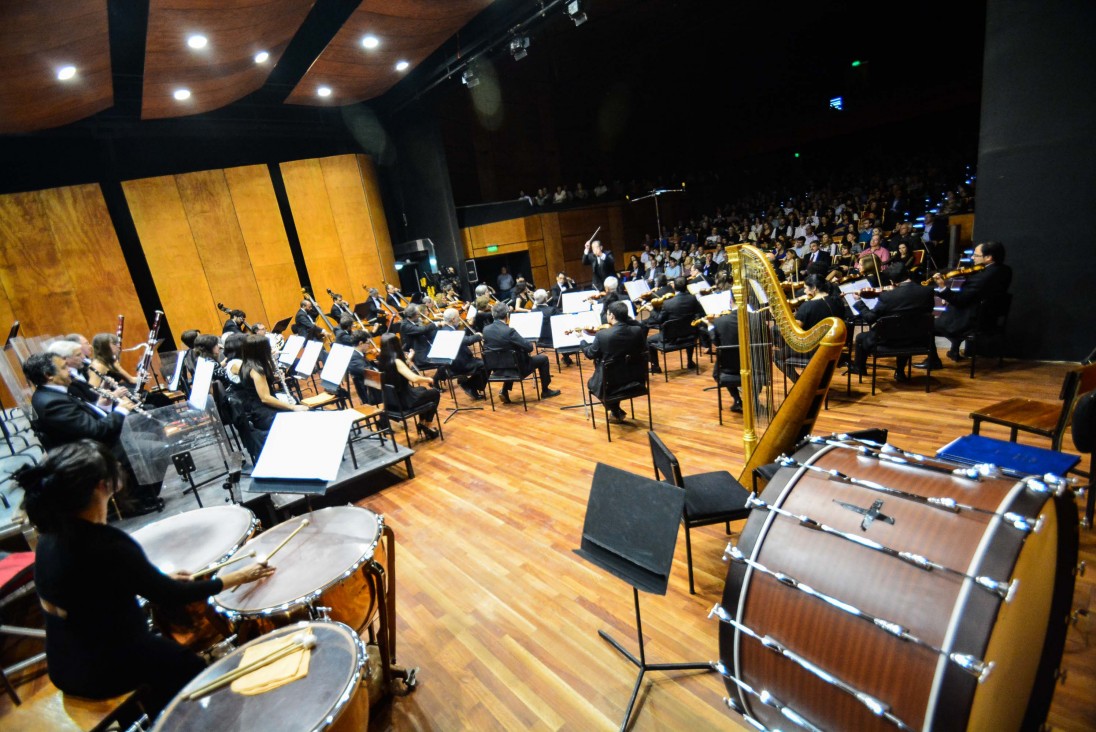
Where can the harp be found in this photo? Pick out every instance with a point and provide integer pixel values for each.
(774, 422)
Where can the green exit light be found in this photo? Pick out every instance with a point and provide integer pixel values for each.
(493, 248)
(855, 64)
(797, 154)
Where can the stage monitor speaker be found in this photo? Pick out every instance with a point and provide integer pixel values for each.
(470, 268)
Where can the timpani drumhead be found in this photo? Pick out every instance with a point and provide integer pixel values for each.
(196, 539)
(336, 543)
(328, 697)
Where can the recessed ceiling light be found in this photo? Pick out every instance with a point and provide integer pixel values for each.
(324, 91)
(197, 41)
(66, 72)
(402, 65)
(261, 57)
(370, 41)
(182, 94)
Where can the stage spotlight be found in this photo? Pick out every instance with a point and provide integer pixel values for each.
(519, 47)
(575, 12)
(469, 78)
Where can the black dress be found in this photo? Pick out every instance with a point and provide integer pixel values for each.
(103, 646)
(410, 397)
(245, 400)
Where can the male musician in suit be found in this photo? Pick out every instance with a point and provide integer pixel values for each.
(563, 284)
(63, 418)
(473, 379)
(499, 336)
(540, 305)
(235, 323)
(417, 333)
(906, 297)
(78, 384)
(623, 336)
(600, 260)
(376, 315)
(394, 298)
(339, 308)
(728, 368)
(359, 364)
(304, 323)
(990, 285)
(683, 305)
(610, 293)
(344, 333)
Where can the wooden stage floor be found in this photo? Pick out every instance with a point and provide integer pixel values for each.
(502, 617)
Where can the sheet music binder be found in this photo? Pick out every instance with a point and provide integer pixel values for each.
(631, 527)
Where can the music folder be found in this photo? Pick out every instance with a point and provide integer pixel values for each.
(631, 527)
(445, 347)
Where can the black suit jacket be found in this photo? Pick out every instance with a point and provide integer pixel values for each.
(499, 336)
(418, 336)
(557, 294)
(818, 262)
(990, 284)
(724, 334)
(63, 418)
(681, 305)
(602, 268)
(230, 326)
(908, 297)
(620, 339)
(304, 323)
(546, 324)
(83, 390)
(465, 362)
(374, 309)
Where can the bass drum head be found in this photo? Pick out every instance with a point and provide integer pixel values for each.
(330, 696)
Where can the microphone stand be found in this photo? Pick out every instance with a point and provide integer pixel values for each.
(656, 193)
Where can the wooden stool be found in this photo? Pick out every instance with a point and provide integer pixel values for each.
(319, 401)
(58, 712)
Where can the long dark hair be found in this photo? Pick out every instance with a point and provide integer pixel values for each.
(391, 350)
(101, 348)
(62, 486)
(255, 354)
(819, 283)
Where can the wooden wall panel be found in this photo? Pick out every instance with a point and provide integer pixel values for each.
(354, 224)
(177, 269)
(553, 244)
(220, 243)
(381, 234)
(319, 236)
(260, 222)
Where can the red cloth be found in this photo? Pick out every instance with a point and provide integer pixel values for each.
(15, 571)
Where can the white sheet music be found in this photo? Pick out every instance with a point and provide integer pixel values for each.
(445, 346)
(715, 303)
(311, 354)
(636, 288)
(471, 314)
(292, 349)
(696, 287)
(572, 321)
(323, 432)
(179, 357)
(199, 390)
(527, 324)
(577, 302)
(850, 287)
(334, 368)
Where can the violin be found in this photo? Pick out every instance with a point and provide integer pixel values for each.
(656, 302)
(961, 272)
(710, 318)
(590, 329)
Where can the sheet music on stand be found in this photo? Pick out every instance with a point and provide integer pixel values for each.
(527, 325)
(291, 350)
(696, 287)
(850, 287)
(471, 316)
(11, 371)
(636, 288)
(577, 302)
(325, 433)
(199, 387)
(445, 346)
(334, 368)
(716, 303)
(572, 321)
(151, 438)
(307, 364)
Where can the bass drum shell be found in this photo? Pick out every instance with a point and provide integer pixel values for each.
(327, 564)
(1023, 638)
(330, 697)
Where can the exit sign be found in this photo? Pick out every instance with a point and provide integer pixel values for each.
(493, 248)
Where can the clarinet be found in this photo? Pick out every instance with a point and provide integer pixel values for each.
(108, 381)
(137, 408)
(285, 396)
(145, 364)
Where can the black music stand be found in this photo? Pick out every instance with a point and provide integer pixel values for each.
(630, 531)
(280, 326)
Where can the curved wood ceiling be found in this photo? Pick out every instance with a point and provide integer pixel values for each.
(408, 30)
(38, 37)
(225, 70)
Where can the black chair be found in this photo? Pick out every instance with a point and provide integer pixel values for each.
(727, 373)
(905, 334)
(1084, 439)
(989, 325)
(502, 366)
(710, 498)
(624, 377)
(678, 335)
(395, 410)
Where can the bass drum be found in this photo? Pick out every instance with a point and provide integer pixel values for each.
(812, 620)
(329, 697)
(327, 564)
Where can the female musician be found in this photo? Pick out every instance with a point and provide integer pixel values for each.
(209, 347)
(483, 313)
(253, 396)
(105, 348)
(88, 576)
(824, 301)
(523, 298)
(412, 389)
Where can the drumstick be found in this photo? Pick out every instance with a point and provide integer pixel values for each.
(221, 565)
(300, 642)
(264, 560)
